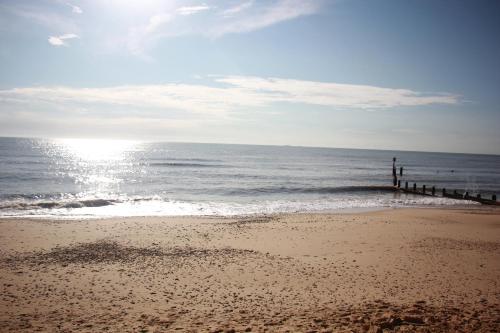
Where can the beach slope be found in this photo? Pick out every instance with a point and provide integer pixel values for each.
(434, 270)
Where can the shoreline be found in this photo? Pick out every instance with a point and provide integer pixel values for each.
(400, 269)
(334, 211)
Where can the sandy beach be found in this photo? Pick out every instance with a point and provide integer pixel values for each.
(423, 270)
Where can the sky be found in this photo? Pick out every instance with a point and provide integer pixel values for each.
(404, 74)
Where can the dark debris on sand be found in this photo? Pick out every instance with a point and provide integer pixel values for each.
(381, 317)
(374, 317)
(249, 220)
(420, 317)
(112, 252)
(440, 243)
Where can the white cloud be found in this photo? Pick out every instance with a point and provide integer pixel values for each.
(233, 93)
(143, 36)
(76, 9)
(335, 94)
(59, 40)
(56, 41)
(190, 10)
(156, 21)
(262, 16)
(229, 12)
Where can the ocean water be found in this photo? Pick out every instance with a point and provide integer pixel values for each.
(102, 178)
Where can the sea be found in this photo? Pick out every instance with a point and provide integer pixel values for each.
(87, 178)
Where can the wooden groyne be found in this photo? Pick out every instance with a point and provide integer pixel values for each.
(445, 193)
(435, 192)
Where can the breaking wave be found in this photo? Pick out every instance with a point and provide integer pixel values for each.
(56, 204)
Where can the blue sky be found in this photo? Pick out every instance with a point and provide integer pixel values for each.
(411, 75)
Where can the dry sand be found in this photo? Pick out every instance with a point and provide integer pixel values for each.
(424, 270)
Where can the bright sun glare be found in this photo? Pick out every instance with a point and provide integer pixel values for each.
(97, 149)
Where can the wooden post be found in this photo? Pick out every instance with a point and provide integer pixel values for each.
(401, 171)
(444, 192)
(478, 196)
(406, 186)
(466, 195)
(455, 193)
(399, 183)
(414, 187)
(494, 197)
(423, 189)
(433, 190)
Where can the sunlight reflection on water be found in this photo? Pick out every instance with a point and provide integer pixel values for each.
(98, 163)
(96, 150)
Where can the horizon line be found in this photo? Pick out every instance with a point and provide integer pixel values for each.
(247, 144)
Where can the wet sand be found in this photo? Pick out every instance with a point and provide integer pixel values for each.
(416, 270)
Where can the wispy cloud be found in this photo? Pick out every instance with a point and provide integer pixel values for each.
(60, 40)
(75, 9)
(190, 10)
(230, 93)
(43, 16)
(156, 21)
(241, 19)
(141, 37)
(229, 12)
(140, 27)
(335, 94)
(220, 20)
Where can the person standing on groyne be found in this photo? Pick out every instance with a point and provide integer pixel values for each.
(394, 173)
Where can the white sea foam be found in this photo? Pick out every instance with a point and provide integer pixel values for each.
(157, 207)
